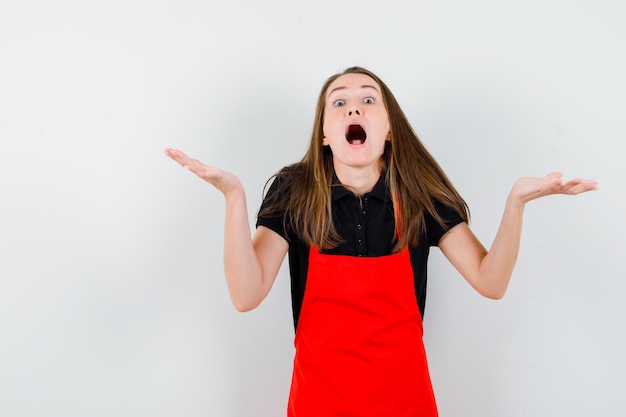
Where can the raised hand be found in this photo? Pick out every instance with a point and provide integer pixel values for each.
(527, 189)
(224, 181)
(250, 264)
(489, 272)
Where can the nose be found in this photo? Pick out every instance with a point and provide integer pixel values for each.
(355, 111)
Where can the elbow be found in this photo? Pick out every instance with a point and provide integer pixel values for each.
(243, 306)
(245, 298)
(493, 287)
(493, 293)
(495, 296)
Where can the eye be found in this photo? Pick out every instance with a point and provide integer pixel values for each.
(339, 103)
(368, 100)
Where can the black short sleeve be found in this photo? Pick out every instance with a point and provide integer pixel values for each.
(450, 217)
(276, 223)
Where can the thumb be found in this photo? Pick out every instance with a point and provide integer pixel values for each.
(554, 175)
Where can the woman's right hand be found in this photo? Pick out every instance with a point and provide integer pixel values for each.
(224, 181)
(250, 264)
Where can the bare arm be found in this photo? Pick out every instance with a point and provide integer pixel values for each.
(489, 272)
(250, 263)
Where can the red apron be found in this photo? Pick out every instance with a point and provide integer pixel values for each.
(359, 349)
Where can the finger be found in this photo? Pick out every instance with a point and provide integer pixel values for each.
(592, 184)
(207, 173)
(584, 186)
(572, 183)
(198, 168)
(554, 175)
(178, 156)
(577, 186)
(171, 152)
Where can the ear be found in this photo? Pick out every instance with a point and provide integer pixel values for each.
(388, 138)
(324, 141)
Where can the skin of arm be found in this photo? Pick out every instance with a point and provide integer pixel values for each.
(250, 263)
(489, 272)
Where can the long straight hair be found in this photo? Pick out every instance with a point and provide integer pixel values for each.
(414, 178)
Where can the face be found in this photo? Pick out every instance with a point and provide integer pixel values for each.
(356, 124)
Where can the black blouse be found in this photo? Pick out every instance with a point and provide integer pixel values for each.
(366, 226)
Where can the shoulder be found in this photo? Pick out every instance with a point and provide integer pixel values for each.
(277, 201)
(449, 218)
(445, 211)
(278, 187)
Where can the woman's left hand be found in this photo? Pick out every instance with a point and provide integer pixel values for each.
(527, 189)
(489, 272)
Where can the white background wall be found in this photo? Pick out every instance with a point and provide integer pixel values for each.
(112, 297)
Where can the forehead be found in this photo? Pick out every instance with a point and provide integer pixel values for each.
(352, 81)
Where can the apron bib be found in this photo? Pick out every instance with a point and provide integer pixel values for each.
(359, 349)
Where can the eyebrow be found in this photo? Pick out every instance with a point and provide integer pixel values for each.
(343, 88)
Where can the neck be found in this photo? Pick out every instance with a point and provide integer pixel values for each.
(358, 180)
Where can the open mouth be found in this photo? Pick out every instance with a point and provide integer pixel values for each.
(355, 134)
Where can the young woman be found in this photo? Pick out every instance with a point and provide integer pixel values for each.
(357, 216)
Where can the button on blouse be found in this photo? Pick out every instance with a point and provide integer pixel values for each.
(365, 223)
